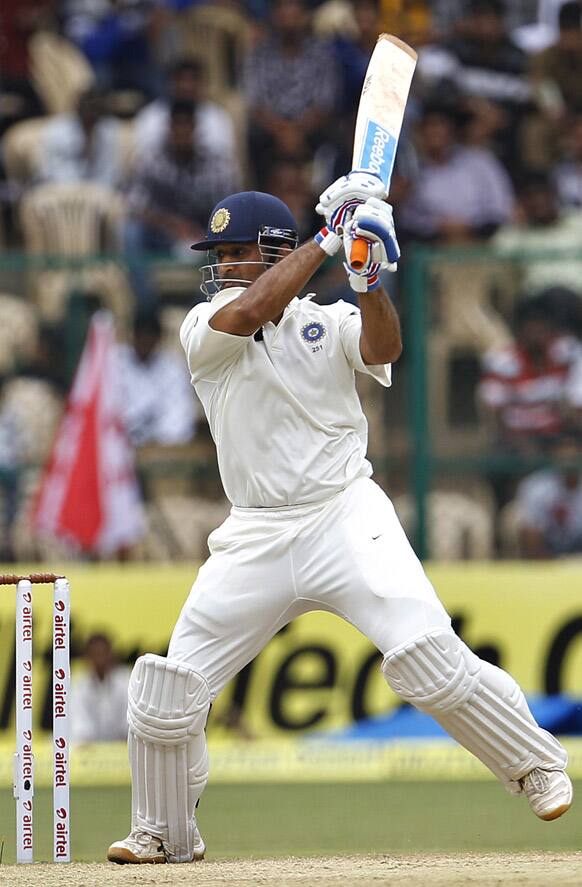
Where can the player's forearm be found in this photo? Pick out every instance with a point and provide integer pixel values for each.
(380, 340)
(267, 297)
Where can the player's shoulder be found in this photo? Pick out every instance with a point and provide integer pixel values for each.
(203, 311)
(192, 319)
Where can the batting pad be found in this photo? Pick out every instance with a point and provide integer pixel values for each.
(478, 704)
(167, 709)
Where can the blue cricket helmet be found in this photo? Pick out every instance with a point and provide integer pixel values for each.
(241, 218)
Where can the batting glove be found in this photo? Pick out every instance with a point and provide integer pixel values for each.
(338, 202)
(373, 222)
(364, 281)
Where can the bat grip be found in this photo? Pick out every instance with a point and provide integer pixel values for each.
(359, 255)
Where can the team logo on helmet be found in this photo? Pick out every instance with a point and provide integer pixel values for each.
(313, 332)
(219, 220)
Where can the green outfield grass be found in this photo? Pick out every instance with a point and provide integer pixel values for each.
(274, 820)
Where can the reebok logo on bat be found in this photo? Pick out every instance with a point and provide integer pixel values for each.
(378, 151)
(377, 158)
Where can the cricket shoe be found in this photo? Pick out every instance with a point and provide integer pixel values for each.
(140, 848)
(549, 792)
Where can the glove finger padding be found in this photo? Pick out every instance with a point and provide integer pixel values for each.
(373, 222)
(376, 251)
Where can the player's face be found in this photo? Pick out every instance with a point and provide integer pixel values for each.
(230, 255)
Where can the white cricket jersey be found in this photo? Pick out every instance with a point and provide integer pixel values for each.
(282, 405)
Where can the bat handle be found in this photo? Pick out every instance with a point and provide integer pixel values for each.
(359, 255)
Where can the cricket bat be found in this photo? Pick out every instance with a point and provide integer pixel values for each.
(379, 119)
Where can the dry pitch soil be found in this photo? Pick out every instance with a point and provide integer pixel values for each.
(428, 870)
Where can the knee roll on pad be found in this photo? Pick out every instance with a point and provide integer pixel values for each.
(168, 705)
(478, 704)
(167, 701)
(436, 672)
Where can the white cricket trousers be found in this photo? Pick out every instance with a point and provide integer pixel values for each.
(348, 555)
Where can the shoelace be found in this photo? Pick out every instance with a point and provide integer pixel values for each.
(537, 780)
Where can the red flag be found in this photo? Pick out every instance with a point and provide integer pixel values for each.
(89, 493)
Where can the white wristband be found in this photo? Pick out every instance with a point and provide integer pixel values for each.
(329, 241)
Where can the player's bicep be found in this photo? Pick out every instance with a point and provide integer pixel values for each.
(233, 319)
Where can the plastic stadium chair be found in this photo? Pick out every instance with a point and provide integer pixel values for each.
(21, 146)
(78, 220)
(178, 527)
(60, 72)
(465, 323)
(18, 333)
(37, 409)
(220, 37)
(460, 526)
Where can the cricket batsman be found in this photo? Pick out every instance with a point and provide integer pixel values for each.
(308, 529)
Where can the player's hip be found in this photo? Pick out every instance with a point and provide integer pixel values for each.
(358, 503)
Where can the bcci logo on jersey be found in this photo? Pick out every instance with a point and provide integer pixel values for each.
(313, 332)
(378, 151)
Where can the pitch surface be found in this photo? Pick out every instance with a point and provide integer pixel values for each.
(433, 870)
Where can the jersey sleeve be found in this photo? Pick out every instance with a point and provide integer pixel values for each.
(210, 352)
(350, 328)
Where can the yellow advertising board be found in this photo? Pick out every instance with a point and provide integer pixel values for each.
(319, 673)
(285, 760)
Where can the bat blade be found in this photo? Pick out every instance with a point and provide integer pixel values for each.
(380, 114)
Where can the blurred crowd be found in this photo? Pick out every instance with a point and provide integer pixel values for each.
(123, 122)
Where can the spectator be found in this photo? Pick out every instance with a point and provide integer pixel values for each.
(291, 83)
(541, 230)
(213, 133)
(82, 146)
(118, 37)
(99, 695)
(482, 66)
(549, 503)
(529, 388)
(567, 174)
(160, 405)
(289, 182)
(535, 27)
(353, 54)
(556, 78)
(170, 197)
(352, 48)
(458, 193)
(557, 71)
